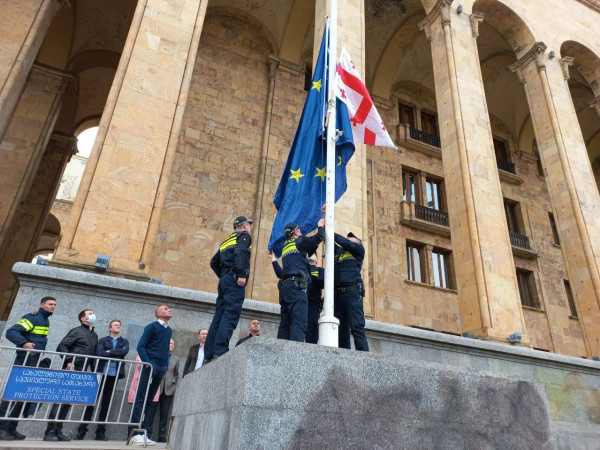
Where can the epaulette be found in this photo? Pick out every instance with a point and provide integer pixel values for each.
(33, 313)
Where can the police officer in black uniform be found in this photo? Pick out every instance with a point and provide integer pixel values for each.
(31, 332)
(315, 301)
(349, 291)
(231, 264)
(295, 280)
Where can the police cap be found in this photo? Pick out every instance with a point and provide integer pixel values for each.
(241, 220)
(290, 228)
(351, 234)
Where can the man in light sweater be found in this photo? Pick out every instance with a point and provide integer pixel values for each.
(152, 348)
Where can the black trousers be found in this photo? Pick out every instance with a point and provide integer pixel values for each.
(294, 312)
(163, 405)
(104, 403)
(348, 308)
(63, 412)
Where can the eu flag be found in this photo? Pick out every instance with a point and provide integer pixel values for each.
(301, 191)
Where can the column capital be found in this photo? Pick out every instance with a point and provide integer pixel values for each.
(440, 9)
(64, 143)
(476, 18)
(594, 104)
(565, 63)
(535, 54)
(68, 78)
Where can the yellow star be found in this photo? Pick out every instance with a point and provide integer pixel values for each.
(340, 162)
(296, 175)
(317, 85)
(321, 173)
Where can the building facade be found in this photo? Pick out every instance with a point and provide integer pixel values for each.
(483, 221)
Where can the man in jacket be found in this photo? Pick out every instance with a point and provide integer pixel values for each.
(111, 346)
(31, 332)
(81, 340)
(253, 330)
(195, 356)
(167, 393)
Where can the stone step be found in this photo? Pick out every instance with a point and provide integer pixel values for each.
(39, 444)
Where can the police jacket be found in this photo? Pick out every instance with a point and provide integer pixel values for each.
(317, 280)
(106, 350)
(233, 255)
(82, 341)
(32, 327)
(348, 258)
(294, 256)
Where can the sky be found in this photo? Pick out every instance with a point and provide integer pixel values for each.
(85, 141)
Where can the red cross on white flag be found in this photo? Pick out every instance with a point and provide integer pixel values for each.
(367, 126)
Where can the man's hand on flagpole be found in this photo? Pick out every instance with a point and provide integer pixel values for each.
(324, 208)
(321, 222)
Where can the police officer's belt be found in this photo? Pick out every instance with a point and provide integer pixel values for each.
(289, 278)
(348, 288)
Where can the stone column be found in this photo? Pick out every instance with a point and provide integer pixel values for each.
(570, 179)
(22, 29)
(31, 215)
(118, 206)
(351, 212)
(25, 139)
(485, 272)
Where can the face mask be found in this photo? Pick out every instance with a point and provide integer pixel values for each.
(92, 319)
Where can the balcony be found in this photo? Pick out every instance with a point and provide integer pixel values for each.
(423, 218)
(507, 172)
(520, 246)
(418, 140)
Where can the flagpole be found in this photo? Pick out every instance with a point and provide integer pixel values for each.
(328, 323)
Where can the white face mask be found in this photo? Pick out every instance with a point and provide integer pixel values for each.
(92, 319)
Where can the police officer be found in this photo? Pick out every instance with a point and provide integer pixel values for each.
(315, 302)
(295, 280)
(231, 264)
(31, 332)
(349, 291)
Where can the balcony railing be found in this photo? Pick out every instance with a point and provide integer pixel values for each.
(518, 240)
(505, 165)
(431, 215)
(426, 138)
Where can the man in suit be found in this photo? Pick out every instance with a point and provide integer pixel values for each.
(167, 393)
(195, 356)
(111, 346)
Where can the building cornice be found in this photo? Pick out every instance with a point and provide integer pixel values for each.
(592, 4)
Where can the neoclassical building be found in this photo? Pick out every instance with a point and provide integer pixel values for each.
(485, 220)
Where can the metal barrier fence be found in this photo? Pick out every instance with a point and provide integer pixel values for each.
(34, 378)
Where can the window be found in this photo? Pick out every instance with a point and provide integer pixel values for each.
(307, 77)
(434, 194)
(409, 191)
(500, 150)
(554, 229)
(415, 260)
(570, 299)
(441, 262)
(527, 290)
(510, 209)
(406, 115)
(429, 123)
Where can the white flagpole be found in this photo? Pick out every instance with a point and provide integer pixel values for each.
(328, 324)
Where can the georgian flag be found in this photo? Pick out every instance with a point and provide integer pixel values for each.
(367, 126)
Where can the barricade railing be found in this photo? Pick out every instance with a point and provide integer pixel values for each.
(33, 378)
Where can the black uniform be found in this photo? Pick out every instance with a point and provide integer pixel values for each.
(82, 341)
(232, 261)
(349, 292)
(315, 302)
(295, 281)
(32, 327)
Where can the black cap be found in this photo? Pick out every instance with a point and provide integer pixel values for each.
(240, 220)
(351, 234)
(290, 228)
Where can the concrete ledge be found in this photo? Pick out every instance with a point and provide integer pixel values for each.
(273, 394)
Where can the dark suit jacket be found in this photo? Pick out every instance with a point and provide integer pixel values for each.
(169, 381)
(105, 349)
(190, 361)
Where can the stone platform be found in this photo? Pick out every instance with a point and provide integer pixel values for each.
(272, 394)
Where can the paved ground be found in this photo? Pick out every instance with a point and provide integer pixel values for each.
(38, 444)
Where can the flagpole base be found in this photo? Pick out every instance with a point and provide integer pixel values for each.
(328, 331)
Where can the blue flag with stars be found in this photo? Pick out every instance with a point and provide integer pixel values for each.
(301, 191)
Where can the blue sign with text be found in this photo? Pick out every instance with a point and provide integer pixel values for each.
(32, 384)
